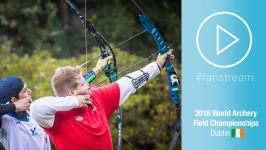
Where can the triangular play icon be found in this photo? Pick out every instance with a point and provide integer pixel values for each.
(233, 39)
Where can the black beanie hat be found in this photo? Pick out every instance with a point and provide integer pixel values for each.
(10, 87)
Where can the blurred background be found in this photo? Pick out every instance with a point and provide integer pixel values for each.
(37, 36)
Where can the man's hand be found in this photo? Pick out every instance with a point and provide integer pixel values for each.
(23, 104)
(161, 59)
(84, 100)
(101, 63)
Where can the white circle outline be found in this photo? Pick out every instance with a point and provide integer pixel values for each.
(223, 13)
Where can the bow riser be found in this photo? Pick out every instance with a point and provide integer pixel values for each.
(162, 49)
(173, 84)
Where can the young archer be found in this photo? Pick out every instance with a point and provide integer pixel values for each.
(73, 127)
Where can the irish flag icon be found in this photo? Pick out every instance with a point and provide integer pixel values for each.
(237, 133)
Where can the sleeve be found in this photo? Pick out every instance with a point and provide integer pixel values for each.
(133, 81)
(108, 96)
(43, 110)
(6, 108)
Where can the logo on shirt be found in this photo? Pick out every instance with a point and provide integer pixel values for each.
(79, 118)
(94, 108)
(33, 131)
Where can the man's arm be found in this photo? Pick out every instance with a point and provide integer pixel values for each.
(7, 108)
(43, 110)
(101, 64)
(135, 80)
(113, 95)
(20, 105)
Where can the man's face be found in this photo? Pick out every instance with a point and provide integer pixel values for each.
(83, 88)
(25, 92)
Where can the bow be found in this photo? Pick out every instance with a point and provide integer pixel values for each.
(111, 68)
(171, 74)
(106, 50)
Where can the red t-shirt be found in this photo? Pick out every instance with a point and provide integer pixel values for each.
(88, 127)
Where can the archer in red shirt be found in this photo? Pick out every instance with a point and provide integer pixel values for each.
(78, 118)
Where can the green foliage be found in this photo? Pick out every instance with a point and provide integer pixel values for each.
(41, 24)
(36, 39)
(147, 115)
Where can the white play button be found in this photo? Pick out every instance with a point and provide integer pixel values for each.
(220, 43)
(233, 40)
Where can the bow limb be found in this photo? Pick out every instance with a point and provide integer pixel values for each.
(172, 79)
(105, 48)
